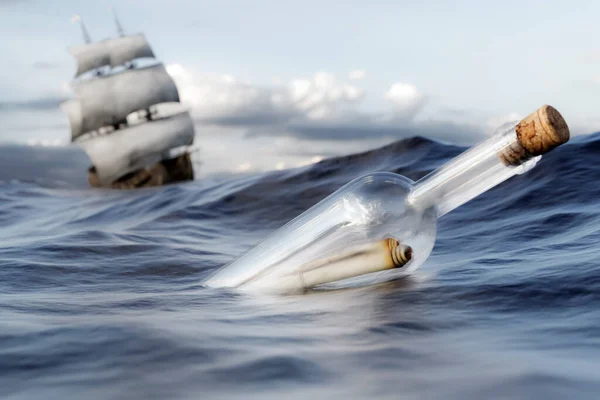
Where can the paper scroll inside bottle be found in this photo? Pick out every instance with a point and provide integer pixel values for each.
(379, 256)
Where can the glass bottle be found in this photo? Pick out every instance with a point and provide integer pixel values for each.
(383, 225)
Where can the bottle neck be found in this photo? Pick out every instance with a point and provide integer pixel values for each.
(473, 172)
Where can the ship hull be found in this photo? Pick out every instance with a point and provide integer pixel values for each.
(165, 172)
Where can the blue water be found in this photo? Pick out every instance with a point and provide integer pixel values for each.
(101, 295)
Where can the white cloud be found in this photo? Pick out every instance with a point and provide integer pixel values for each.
(407, 99)
(357, 74)
(228, 78)
(321, 107)
(223, 98)
(324, 81)
(321, 96)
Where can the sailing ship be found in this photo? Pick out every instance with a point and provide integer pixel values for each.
(120, 114)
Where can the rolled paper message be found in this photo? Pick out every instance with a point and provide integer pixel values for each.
(379, 256)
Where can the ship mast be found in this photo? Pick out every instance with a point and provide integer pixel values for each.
(120, 31)
(86, 35)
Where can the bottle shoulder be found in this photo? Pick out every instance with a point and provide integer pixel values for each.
(383, 177)
(378, 187)
(378, 197)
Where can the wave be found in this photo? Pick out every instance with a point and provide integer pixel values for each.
(100, 290)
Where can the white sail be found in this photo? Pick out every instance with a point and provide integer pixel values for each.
(111, 52)
(90, 56)
(108, 100)
(126, 150)
(128, 48)
(73, 110)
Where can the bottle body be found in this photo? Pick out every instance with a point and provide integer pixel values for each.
(338, 239)
(383, 222)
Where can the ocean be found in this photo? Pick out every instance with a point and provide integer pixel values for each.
(101, 291)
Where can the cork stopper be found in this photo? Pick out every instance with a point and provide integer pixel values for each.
(537, 134)
(542, 131)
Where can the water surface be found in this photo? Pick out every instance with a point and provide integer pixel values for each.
(101, 295)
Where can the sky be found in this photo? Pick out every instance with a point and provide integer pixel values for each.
(276, 83)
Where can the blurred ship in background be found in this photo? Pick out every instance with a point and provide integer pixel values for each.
(120, 116)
